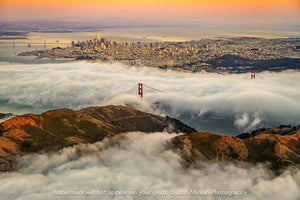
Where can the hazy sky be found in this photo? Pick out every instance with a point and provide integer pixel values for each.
(149, 11)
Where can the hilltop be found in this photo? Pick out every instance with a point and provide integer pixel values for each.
(273, 149)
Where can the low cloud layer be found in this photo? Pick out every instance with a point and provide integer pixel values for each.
(138, 162)
(227, 104)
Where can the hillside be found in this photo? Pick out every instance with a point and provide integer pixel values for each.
(56, 129)
(278, 151)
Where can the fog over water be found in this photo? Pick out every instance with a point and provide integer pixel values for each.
(226, 104)
(138, 162)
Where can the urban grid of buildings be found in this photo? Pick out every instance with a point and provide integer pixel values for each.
(212, 55)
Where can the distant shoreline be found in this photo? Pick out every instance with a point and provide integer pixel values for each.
(13, 38)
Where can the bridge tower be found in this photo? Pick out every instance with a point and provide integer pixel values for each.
(140, 90)
(252, 74)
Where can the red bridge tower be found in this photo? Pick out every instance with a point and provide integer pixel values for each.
(252, 74)
(140, 90)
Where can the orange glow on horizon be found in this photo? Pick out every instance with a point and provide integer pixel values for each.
(204, 9)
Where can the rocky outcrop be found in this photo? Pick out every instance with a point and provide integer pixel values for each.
(5, 115)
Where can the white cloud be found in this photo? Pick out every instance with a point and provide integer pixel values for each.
(208, 102)
(136, 162)
(242, 121)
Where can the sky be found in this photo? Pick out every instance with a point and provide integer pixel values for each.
(153, 11)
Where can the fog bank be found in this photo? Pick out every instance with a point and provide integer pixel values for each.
(138, 162)
(226, 104)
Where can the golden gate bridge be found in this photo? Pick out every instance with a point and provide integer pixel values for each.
(139, 88)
